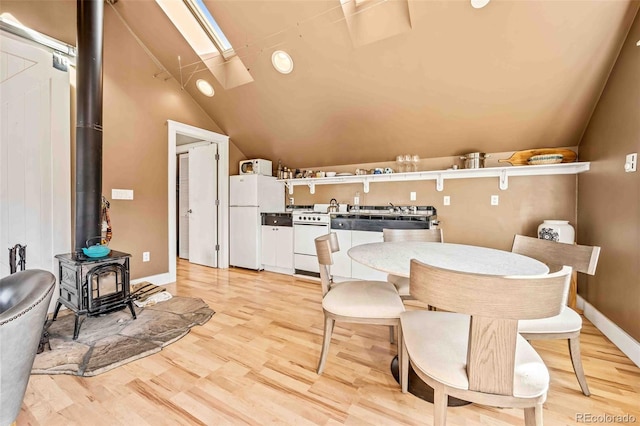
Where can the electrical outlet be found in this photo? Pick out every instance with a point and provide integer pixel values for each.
(446, 200)
(412, 196)
(146, 256)
(495, 200)
(631, 162)
(356, 200)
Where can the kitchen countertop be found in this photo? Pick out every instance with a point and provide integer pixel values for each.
(378, 222)
(383, 216)
(277, 219)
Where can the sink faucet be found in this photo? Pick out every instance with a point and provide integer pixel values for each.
(394, 208)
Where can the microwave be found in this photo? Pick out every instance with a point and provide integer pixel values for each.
(255, 167)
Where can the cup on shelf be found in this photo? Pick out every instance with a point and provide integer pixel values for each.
(415, 159)
(407, 162)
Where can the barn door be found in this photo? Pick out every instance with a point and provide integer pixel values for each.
(35, 183)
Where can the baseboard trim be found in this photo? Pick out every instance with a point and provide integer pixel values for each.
(278, 270)
(627, 344)
(159, 279)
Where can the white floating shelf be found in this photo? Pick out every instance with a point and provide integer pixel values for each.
(502, 173)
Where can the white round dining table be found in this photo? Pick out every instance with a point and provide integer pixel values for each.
(395, 258)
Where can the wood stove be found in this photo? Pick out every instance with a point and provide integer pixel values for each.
(90, 286)
(93, 286)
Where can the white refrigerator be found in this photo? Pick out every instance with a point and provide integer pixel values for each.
(250, 195)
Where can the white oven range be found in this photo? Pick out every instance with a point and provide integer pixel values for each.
(307, 226)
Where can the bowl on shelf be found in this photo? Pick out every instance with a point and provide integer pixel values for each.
(330, 174)
(545, 159)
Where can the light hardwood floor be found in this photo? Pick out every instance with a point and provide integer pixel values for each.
(254, 363)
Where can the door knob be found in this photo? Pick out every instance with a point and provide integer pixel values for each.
(189, 211)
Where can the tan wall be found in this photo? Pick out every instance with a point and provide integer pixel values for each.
(235, 156)
(609, 198)
(136, 108)
(470, 218)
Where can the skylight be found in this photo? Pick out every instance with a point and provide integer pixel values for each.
(210, 26)
(200, 30)
(217, 32)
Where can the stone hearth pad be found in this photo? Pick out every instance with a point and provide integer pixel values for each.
(109, 341)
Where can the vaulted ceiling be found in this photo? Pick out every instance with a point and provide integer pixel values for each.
(449, 79)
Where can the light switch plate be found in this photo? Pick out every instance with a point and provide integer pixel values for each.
(122, 194)
(412, 196)
(446, 200)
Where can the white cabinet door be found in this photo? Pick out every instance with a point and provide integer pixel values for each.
(277, 248)
(341, 260)
(358, 270)
(269, 243)
(284, 247)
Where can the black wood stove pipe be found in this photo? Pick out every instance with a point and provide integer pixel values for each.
(90, 15)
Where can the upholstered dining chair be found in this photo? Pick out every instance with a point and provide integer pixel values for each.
(24, 300)
(473, 351)
(433, 235)
(365, 302)
(568, 323)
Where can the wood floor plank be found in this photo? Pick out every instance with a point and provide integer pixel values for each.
(254, 363)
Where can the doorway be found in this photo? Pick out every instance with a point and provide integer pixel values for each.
(177, 131)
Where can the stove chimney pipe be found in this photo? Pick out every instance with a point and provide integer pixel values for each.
(90, 14)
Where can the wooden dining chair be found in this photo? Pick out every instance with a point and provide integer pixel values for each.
(364, 302)
(473, 351)
(433, 235)
(568, 323)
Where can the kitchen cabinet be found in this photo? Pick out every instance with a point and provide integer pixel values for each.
(343, 267)
(358, 270)
(502, 173)
(341, 261)
(277, 249)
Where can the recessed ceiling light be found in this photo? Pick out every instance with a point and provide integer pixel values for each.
(205, 87)
(479, 4)
(282, 62)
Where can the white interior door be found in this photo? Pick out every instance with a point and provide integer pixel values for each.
(203, 216)
(183, 206)
(35, 194)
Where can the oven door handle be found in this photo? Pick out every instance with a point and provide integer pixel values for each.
(311, 224)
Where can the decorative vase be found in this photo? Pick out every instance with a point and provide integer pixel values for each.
(556, 230)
